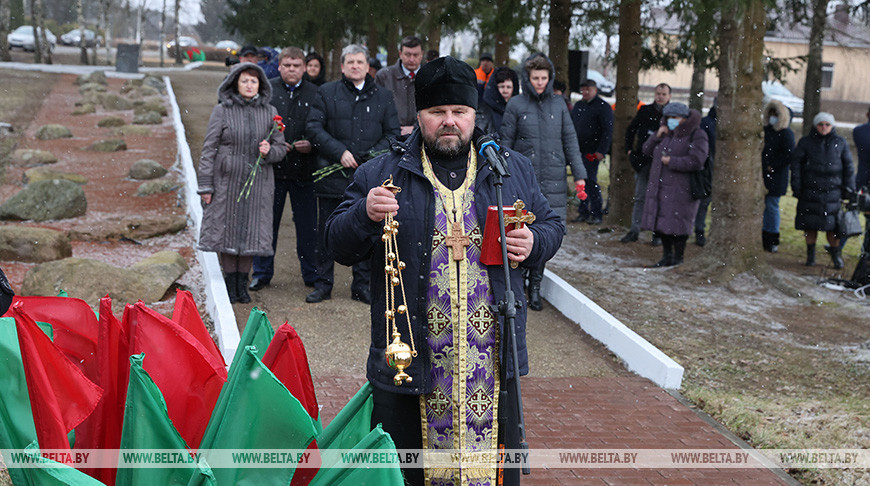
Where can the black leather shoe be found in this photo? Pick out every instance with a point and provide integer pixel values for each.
(363, 296)
(319, 295)
(700, 238)
(309, 284)
(629, 237)
(581, 218)
(594, 220)
(258, 284)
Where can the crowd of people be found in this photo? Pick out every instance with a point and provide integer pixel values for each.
(334, 127)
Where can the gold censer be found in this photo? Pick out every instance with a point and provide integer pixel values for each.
(398, 353)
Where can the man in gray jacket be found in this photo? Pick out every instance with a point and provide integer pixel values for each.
(399, 79)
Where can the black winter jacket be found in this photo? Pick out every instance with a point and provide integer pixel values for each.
(353, 237)
(821, 170)
(593, 122)
(293, 106)
(645, 123)
(344, 118)
(778, 146)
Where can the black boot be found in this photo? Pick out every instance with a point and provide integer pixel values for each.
(679, 249)
(767, 241)
(232, 290)
(535, 277)
(774, 242)
(667, 252)
(242, 288)
(811, 255)
(836, 256)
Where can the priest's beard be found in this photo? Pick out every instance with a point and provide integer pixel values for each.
(446, 148)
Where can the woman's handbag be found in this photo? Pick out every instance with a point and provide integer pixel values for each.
(701, 181)
(848, 223)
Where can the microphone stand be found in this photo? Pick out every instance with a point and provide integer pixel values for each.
(507, 308)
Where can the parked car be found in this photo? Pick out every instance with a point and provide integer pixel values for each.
(74, 38)
(23, 37)
(184, 41)
(230, 46)
(605, 86)
(774, 90)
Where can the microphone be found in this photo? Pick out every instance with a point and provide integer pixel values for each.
(488, 149)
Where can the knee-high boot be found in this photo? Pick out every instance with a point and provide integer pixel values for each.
(667, 251)
(679, 249)
(535, 277)
(242, 288)
(811, 255)
(232, 289)
(836, 256)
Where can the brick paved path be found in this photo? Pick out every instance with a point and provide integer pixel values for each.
(605, 413)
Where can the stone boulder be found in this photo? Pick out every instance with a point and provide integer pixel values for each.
(133, 227)
(111, 145)
(130, 85)
(31, 157)
(98, 77)
(52, 132)
(145, 169)
(91, 97)
(156, 187)
(90, 280)
(148, 118)
(141, 92)
(111, 121)
(113, 102)
(25, 244)
(155, 82)
(85, 109)
(37, 174)
(132, 130)
(45, 200)
(99, 88)
(152, 105)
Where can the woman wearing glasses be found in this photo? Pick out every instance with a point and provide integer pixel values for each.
(821, 170)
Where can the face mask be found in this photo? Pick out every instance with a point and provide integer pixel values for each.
(673, 123)
(774, 120)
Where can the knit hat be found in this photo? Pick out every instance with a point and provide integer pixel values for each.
(676, 109)
(445, 81)
(823, 117)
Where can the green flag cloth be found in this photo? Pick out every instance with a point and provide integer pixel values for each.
(376, 440)
(147, 426)
(351, 424)
(258, 332)
(255, 411)
(58, 475)
(16, 419)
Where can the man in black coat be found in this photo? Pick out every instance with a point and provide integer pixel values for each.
(436, 169)
(644, 124)
(593, 121)
(292, 97)
(350, 122)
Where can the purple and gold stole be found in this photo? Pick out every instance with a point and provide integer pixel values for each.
(460, 413)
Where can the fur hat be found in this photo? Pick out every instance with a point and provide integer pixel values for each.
(445, 81)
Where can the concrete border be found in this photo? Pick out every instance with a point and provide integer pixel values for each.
(217, 301)
(638, 354)
(109, 70)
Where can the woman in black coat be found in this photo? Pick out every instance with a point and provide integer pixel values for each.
(821, 171)
(775, 160)
(503, 85)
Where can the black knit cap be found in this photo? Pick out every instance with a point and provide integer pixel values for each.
(445, 81)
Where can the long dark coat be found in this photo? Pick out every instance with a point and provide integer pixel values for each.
(353, 237)
(821, 169)
(231, 146)
(669, 207)
(778, 145)
(540, 127)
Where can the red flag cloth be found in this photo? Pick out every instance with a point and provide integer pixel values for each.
(287, 359)
(180, 366)
(102, 430)
(74, 326)
(61, 396)
(186, 315)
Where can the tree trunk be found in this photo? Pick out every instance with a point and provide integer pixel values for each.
(621, 191)
(737, 187)
(5, 18)
(83, 45)
(107, 29)
(178, 59)
(536, 25)
(162, 32)
(37, 48)
(334, 62)
(392, 43)
(501, 56)
(560, 27)
(44, 45)
(372, 39)
(813, 82)
(699, 74)
(433, 38)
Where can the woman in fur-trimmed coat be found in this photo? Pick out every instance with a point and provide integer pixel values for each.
(238, 132)
(775, 160)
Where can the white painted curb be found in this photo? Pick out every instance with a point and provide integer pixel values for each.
(638, 354)
(217, 301)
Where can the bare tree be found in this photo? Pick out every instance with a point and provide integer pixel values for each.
(177, 33)
(5, 18)
(162, 31)
(621, 174)
(106, 21)
(737, 195)
(813, 81)
(560, 27)
(83, 44)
